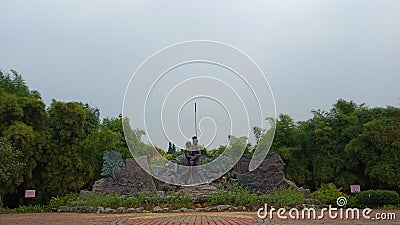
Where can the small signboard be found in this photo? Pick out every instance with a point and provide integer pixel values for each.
(355, 188)
(30, 193)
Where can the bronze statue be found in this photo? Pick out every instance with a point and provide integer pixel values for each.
(192, 156)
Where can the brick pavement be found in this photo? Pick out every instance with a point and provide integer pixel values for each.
(192, 219)
(127, 219)
(223, 218)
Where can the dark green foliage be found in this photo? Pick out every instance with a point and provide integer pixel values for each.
(11, 168)
(377, 198)
(378, 150)
(92, 121)
(10, 111)
(112, 164)
(171, 148)
(115, 125)
(61, 148)
(350, 144)
(14, 84)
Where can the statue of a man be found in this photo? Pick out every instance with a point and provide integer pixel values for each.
(197, 152)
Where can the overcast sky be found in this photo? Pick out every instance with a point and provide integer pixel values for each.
(312, 52)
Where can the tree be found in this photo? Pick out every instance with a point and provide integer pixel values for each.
(10, 111)
(67, 120)
(92, 120)
(112, 164)
(14, 84)
(171, 148)
(258, 132)
(378, 149)
(23, 138)
(64, 168)
(115, 125)
(11, 168)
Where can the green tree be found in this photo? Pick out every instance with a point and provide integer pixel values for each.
(112, 164)
(24, 138)
(14, 84)
(11, 168)
(378, 149)
(115, 125)
(92, 120)
(10, 111)
(64, 169)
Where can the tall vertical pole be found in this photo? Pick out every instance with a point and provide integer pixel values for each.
(195, 118)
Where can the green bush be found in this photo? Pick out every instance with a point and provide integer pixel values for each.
(221, 198)
(56, 202)
(245, 197)
(96, 199)
(239, 196)
(180, 200)
(328, 194)
(377, 198)
(390, 207)
(283, 197)
(28, 209)
(233, 194)
(143, 199)
(227, 194)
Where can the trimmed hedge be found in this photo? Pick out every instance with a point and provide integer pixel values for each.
(377, 198)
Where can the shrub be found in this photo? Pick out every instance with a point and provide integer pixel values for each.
(327, 194)
(283, 197)
(96, 199)
(236, 195)
(180, 200)
(377, 198)
(245, 197)
(28, 209)
(56, 202)
(143, 199)
(233, 194)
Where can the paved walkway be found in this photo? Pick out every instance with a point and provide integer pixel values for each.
(222, 218)
(132, 218)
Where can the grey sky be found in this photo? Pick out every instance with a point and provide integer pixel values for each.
(312, 52)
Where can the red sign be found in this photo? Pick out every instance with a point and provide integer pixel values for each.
(355, 188)
(30, 193)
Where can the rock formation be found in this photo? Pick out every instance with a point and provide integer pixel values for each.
(130, 181)
(268, 176)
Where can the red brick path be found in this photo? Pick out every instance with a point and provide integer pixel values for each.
(135, 219)
(192, 220)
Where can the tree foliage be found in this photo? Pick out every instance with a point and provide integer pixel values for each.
(11, 168)
(60, 148)
(350, 144)
(112, 164)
